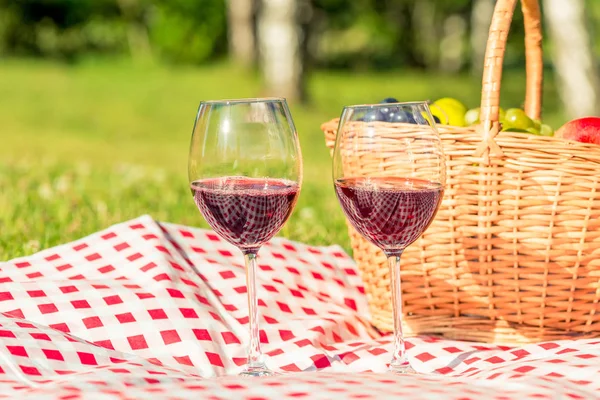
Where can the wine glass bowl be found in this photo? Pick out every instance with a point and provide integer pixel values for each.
(245, 173)
(389, 176)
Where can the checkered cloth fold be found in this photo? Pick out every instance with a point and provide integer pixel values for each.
(156, 310)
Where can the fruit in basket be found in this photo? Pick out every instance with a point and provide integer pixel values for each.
(516, 118)
(374, 115)
(450, 111)
(399, 115)
(472, 116)
(584, 130)
(546, 130)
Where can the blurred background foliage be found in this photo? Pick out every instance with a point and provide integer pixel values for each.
(98, 97)
(359, 34)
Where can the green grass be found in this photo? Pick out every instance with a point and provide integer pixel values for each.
(86, 146)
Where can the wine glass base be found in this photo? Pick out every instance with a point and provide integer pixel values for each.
(257, 371)
(403, 369)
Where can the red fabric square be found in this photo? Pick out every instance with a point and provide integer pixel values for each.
(64, 267)
(47, 308)
(186, 234)
(293, 270)
(424, 357)
(524, 369)
(80, 304)
(7, 334)
(111, 300)
(122, 246)
(271, 288)
(348, 358)
(230, 307)
(36, 293)
(321, 361)
(40, 336)
(80, 247)
(106, 269)
(378, 350)
(87, 358)
(309, 311)
(214, 359)
(68, 289)
(286, 335)
(170, 336)
(495, 360)
(53, 354)
(184, 360)
(452, 349)
(229, 338)
(137, 342)
(108, 235)
(148, 267)
(92, 322)
(202, 334)
(227, 274)
(30, 370)
(17, 351)
(157, 314)
(177, 294)
(284, 307)
(125, 318)
(107, 344)
(548, 346)
(188, 313)
(22, 264)
(6, 296)
(93, 257)
(303, 342)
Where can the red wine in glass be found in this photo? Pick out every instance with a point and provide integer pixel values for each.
(389, 176)
(390, 212)
(245, 174)
(246, 212)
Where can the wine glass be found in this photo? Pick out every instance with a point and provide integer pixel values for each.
(245, 172)
(389, 177)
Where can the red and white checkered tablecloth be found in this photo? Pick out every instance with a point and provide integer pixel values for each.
(156, 310)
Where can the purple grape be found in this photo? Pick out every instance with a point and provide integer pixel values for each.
(401, 116)
(374, 115)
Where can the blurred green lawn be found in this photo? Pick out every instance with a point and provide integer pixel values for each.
(89, 145)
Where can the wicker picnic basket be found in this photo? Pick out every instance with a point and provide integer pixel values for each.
(513, 255)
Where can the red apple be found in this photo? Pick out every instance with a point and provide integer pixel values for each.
(584, 130)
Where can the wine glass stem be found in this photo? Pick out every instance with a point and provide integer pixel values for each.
(255, 358)
(399, 361)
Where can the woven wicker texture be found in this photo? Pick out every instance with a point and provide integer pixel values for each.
(513, 255)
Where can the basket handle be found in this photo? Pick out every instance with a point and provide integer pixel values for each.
(492, 73)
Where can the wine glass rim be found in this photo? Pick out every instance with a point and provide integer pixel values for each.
(245, 100)
(399, 103)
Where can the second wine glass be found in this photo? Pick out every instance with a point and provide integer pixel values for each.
(245, 172)
(389, 176)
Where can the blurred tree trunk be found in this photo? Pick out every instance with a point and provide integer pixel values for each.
(573, 58)
(481, 18)
(242, 41)
(134, 12)
(280, 49)
(452, 45)
(425, 32)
